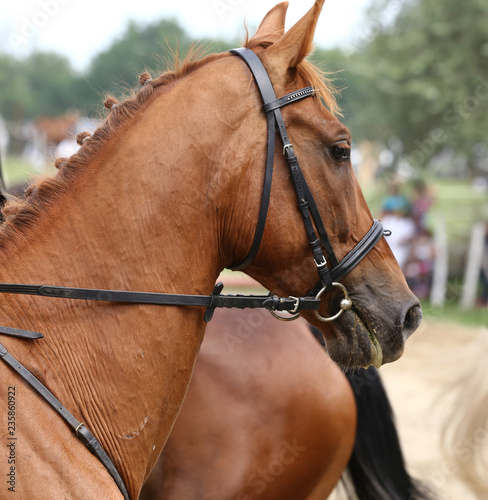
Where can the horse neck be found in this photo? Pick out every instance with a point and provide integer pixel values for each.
(148, 224)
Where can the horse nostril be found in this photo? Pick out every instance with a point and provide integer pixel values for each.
(413, 317)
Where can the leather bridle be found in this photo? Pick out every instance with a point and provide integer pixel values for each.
(321, 247)
(328, 278)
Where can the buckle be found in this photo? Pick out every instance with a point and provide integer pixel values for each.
(297, 305)
(320, 265)
(286, 147)
(78, 428)
(292, 312)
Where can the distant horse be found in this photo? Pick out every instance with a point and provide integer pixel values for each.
(269, 415)
(57, 128)
(163, 196)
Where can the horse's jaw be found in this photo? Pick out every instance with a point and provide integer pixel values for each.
(362, 337)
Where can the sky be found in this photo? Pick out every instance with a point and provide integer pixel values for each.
(80, 29)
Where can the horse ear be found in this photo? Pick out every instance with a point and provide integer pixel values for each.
(272, 27)
(295, 44)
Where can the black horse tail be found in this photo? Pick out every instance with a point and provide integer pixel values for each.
(376, 469)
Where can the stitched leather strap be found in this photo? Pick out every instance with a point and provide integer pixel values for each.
(268, 95)
(80, 430)
(290, 98)
(272, 303)
(263, 211)
(357, 254)
(21, 334)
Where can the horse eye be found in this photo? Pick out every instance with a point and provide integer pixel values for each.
(341, 152)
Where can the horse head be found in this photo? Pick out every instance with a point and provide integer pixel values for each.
(384, 312)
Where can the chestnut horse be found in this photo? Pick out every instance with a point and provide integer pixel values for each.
(163, 196)
(269, 415)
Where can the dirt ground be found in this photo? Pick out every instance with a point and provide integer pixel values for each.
(434, 358)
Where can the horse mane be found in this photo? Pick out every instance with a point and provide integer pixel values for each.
(20, 213)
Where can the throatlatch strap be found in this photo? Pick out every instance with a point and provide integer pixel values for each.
(267, 93)
(81, 431)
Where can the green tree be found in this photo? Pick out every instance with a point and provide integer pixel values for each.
(423, 79)
(117, 67)
(15, 94)
(46, 83)
(43, 83)
(141, 47)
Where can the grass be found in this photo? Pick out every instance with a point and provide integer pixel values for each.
(16, 170)
(455, 200)
(453, 313)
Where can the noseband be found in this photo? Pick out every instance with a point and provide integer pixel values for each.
(328, 278)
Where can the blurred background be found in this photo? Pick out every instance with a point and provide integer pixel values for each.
(413, 81)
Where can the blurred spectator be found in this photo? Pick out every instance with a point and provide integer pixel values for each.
(396, 218)
(395, 202)
(410, 241)
(422, 200)
(420, 263)
(402, 230)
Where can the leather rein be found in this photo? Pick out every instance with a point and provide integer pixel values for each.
(328, 277)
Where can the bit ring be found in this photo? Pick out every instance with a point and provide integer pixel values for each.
(345, 304)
